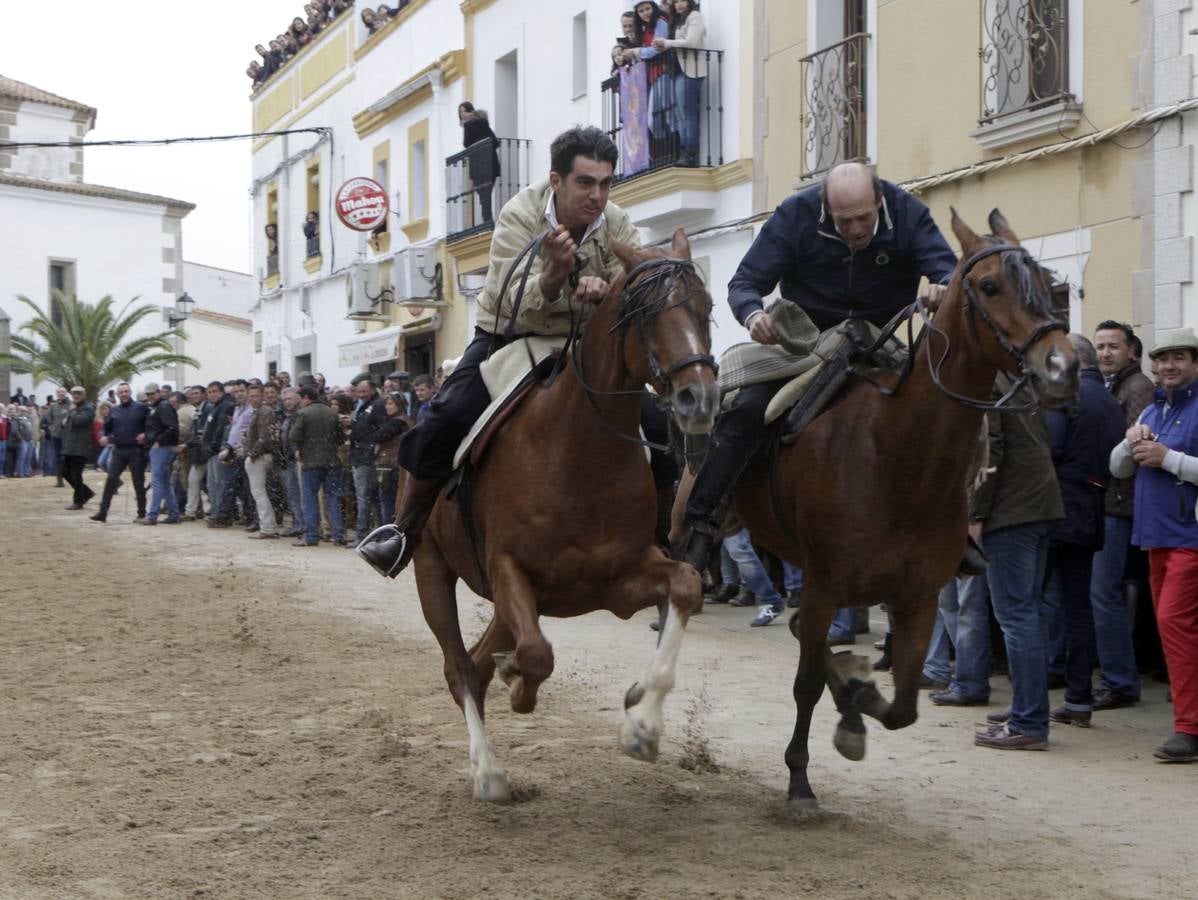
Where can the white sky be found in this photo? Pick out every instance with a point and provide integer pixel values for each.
(155, 69)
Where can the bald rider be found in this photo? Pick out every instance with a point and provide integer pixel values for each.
(854, 247)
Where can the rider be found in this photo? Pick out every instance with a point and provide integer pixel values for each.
(853, 247)
(572, 271)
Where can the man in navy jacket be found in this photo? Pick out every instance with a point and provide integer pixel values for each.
(853, 247)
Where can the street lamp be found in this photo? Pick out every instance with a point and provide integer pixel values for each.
(182, 311)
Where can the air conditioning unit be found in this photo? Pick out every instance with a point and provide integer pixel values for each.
(416, 277)
(364, 294)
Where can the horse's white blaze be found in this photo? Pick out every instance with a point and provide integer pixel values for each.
(490, 781)
(644, 721)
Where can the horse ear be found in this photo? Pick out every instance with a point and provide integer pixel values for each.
(625, 254)
(682, 245)
(999, 226)
(963, 232)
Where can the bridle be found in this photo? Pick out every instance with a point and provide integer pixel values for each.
(1018, 354)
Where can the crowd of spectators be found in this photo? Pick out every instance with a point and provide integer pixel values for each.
(31, 435)
(376, 18)
(302, 30)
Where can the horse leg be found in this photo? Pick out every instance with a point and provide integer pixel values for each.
(640, 733)
(496, 641)
(909, 646)
(533, 662)
(812, 631)
(678, 511)
(435, 582)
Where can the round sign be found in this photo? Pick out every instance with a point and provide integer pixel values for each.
(362, 204)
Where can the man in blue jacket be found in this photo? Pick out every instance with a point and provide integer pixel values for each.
(124, 430)
(853, 247)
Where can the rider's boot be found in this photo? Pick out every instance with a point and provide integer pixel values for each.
(389, 548)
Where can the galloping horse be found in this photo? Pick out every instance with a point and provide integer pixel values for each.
(870, 500)
(562, 508)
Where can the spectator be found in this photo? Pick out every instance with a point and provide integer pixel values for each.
(368, 416)
(371, 20)
(627, 37)
(60, 410)
(289, 469)
(124, 431)
(77, 446)
(316, 435)
(192, 439)
(161, 437)
(300, 34)
(261, 445)
(4, 427)
(386, 441)
(482, 154)
(650, 25)
(236, 489)
(217, 424)
(753, 576)
(283, 380)
(312, 232)
(1015, 510)
(1161, 450)
(105, 451)
(423, 389)
(1119, 685)
(686, 40)
(255, 73)
(1081, 441)
(14, 441)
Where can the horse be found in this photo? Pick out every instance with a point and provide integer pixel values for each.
(871, 499)
(562, 511)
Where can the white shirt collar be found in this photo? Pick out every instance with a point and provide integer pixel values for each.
(551, 218)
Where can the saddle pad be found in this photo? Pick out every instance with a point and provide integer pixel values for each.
(790, 393)
(502, 373)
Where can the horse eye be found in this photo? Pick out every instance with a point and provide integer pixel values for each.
(989, 288)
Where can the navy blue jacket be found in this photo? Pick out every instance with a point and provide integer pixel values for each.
(125, 422)
(800, 248)
(1082, 438)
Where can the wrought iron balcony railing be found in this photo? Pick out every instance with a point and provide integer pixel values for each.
(479, 180)
(666, 111)
(833, 104)
(313, 245)
(272, 264)
(1025, 56)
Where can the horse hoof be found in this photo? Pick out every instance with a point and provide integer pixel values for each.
(524, 699)
(492, 787)
(805, 808)
(505, 667)
(634, 695)
(639, 742)
(849, 744)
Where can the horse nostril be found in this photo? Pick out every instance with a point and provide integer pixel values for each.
(686, 401)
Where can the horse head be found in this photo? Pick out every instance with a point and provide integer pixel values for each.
(664, 314)
(1003, 286)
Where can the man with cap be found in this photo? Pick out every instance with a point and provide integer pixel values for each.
(124, 431)
(1161, 449)
(161, 437)
(77, 446)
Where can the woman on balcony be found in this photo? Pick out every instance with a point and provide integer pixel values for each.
(650, 26)
(686, 40)
(482, 154)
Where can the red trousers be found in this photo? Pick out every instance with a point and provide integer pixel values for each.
(1173, 575)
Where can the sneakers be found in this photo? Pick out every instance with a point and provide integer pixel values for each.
(1001, 737)
(767, 614)
(956, 698)
(1181, 748)
(1112, 700)
(745, 598)
(1065, 716)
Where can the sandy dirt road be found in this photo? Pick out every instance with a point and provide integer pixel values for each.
(186, 712)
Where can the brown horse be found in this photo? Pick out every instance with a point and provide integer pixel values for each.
(870, 501)
(562, 508)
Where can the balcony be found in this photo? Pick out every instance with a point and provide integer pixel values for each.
(833, 105)
(475, 190)
(312, 245)
(1025, 57)
(666, 112)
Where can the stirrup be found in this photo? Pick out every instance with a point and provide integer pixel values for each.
(384, 534)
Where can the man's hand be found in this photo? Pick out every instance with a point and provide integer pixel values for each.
(933, 295)
(761, 329)
(560, 248)
(141, 438)
(1138, 433)
(591, 289)
(975, 532)
(1149, 453)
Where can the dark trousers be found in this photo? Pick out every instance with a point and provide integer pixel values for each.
(237, 487)
(72, 472)
(1068, 578)
(733, 443)
(135, 460)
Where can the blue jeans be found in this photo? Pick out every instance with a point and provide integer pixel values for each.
(3, 455)
(52, 452)
(387, 496)
(792, 577)
(685, 113)
(944, 632)
(216, 484)
(25, 460)
(1112, 629)
(161, 459)
(1016, 577)
(844, 625)
(330, 480)
(366, 489)
(102, 460)
(752, 572)
(295, 502)
(972, 638)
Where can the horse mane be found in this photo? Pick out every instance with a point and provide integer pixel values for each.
(1031, 280)
(650, 295)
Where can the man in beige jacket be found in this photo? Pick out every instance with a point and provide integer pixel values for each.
(572, 271)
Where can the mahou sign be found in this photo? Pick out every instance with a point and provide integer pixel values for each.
(362, 204)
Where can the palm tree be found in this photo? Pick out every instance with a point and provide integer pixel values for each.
(88, 346)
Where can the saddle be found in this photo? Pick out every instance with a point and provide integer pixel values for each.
(509, 373)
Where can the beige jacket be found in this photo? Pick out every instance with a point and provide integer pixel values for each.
(686, 44)
(521, 219)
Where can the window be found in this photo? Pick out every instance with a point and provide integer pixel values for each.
(418, 186)
(271, 229)
(838, 85)
(312, 215)
(62, 281)
(1025, 56)
(580, 55)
